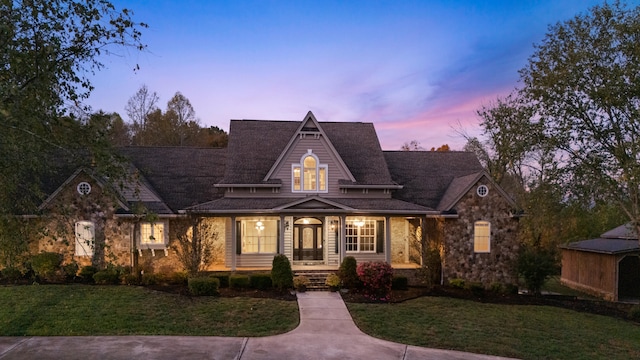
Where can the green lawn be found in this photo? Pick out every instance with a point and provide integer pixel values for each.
(34, 310)
(520, 331)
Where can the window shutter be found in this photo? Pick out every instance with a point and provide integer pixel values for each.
(238, 237)
(379, 236)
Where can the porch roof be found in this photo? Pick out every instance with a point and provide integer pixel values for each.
(322, 205)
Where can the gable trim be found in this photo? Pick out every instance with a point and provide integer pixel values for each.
(473, 182)
(300, 130)
(338, 206)
(53, 195)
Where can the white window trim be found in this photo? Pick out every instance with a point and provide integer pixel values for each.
(300, 165)
(244, 222)
(88, 248)
(476, 237)
(358, 237)
(165, 239)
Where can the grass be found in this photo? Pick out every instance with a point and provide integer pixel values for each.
(520, 331)
(46, 310)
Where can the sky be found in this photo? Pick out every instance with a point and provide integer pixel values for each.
(417, 70)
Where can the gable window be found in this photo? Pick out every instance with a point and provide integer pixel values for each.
(258, 236)
(482, 237)
(309, 175)
(85, 238)
(153, 235)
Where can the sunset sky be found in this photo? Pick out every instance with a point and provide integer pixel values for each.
(418, 70)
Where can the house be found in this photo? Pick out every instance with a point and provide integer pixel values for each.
(314, 191)
(607, 267)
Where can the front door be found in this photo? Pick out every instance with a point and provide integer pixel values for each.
(307, 239)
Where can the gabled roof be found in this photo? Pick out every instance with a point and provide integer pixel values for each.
(308, 125)
(461, 185)
(180, 176)
(256, 145)
(427, 176)
(70, 179)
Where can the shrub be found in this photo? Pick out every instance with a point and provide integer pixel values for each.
(281, 273)
(238, 281)
(46, 264)
(11, 274)
(300, 283)
(149, 278)
(400, 283)
(223, 278)
(203, 286)
(457, 283)
(376, 278)
(260, 281)
(333, 280)
(86, 273)
(178, 278)
(107, 277)
(348, 273)
(70, 270)
(634, 313)
(476, 288)
(536, 264)
(131, 279)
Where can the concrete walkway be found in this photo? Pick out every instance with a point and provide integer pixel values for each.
(326, 331)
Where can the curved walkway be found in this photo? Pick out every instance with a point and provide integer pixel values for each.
(326, 331)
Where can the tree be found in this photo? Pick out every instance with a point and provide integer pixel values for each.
(583, 82)
(413, 145)
(47, 51)
(197, 248)
(139, 107)
(184, 113)
(444, 147)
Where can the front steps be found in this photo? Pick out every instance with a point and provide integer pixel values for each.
(317, 278)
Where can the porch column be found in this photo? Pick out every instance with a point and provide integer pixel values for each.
(234, 243)
(387, 239)
(343, 237)
(281, 238)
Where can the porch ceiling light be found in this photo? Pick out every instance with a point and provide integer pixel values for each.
(259, 226)
(359, 223)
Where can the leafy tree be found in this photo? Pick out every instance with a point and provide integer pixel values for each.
(413, 145)
(48, 49)
(583, 81)
(444, 147)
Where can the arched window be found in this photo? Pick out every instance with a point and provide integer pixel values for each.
(309, 175)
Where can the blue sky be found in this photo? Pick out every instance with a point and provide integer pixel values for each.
(418, 70)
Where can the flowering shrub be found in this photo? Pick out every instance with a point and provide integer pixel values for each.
(376, 278)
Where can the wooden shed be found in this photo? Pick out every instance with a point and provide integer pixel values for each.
(607, 267)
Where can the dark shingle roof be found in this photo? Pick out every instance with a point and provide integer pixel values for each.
(605, 246)
(426, 175)
(180, 176)
(255, 145)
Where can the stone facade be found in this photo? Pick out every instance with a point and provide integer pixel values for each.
(459, 258)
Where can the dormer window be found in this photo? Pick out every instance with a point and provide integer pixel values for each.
(309, 175)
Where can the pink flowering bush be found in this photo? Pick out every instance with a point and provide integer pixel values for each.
(376, 278)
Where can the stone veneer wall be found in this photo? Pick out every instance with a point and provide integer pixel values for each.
(399, 240)
(112, 235)
(460, 261)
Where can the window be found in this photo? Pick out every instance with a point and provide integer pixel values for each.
(361, 235)
(482, 237)
(482, 190)
(258, 236)
(309, 175)
(83, 188)
(85, 238)
(153, 235)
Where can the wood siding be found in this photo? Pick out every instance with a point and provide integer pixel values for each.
(288, 238)
(322, 150)
(591, 272)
